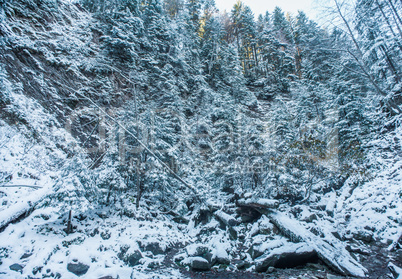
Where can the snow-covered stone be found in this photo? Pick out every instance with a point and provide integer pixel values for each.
(155, 248)
(133, 259)
(77, 268)
(288, 256)
(197, 263)
(16, 267)
(395, 270)
(197, 250)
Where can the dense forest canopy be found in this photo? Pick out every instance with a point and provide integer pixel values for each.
(228, 102)
(176, 107)
(265, 104)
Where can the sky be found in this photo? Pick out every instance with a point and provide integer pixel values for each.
(260, 6)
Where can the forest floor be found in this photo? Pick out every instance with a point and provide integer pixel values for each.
(143, 245)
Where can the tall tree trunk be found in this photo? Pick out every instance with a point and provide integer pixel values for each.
(395, 11)
(139, 189)
(390, 63)
(69, 225)
(359, 51)
(389, 25)
(396, 23)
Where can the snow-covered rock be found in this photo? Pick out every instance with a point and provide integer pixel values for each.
(77, 268)
(287, 256)
(197, 263)
(395, 270)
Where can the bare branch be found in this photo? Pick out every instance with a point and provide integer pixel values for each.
(18, 186)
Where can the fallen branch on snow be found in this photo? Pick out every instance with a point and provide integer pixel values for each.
(227, 219)
(18, 186)
(20, 211)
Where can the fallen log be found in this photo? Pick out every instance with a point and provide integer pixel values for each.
(178, 218)
(258, 203)
(20, 211)
(227, 219)
(334, 255)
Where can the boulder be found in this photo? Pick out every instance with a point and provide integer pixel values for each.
(222, 260)
(105, 235)
(271, 269)
(255, 252)
(77, 268)
(310, 218)
(363, 235)
(241, 264)
(357, 249)
(197, 263)
(25, 256)
(334, 255)
(154, 248)
(196, 250)
(133, 259)
(16, 267)
(288, 256)
(219, 256)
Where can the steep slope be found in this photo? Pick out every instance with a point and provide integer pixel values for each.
(58, 152)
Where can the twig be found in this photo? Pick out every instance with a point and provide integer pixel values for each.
(18, 186)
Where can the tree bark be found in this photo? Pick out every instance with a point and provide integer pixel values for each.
(395, 11)
(69, 225)
(391, 103)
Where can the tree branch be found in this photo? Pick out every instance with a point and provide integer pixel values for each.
(18, 186)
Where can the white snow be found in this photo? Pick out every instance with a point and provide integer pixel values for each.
(375, 205)
(288, 248)
(190, 260)
(397, 270)
(52, 249)
(335, 252)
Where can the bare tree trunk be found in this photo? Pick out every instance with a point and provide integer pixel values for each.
(139, 189)
(349, 28)
(385, 18)
(359, 51)
(69, 225)
(390, 26)
(391, 103)
(390, 63)
(395, 11)
(255, 59)
(396, 23)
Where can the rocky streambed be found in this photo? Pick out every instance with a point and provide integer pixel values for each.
(105, 243)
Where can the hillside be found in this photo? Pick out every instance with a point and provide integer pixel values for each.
(163, 139)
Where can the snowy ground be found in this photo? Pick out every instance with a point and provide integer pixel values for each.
(40, 245)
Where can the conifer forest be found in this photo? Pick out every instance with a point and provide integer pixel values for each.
(169, 139)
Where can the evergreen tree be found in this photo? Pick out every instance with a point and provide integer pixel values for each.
(281, 26)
